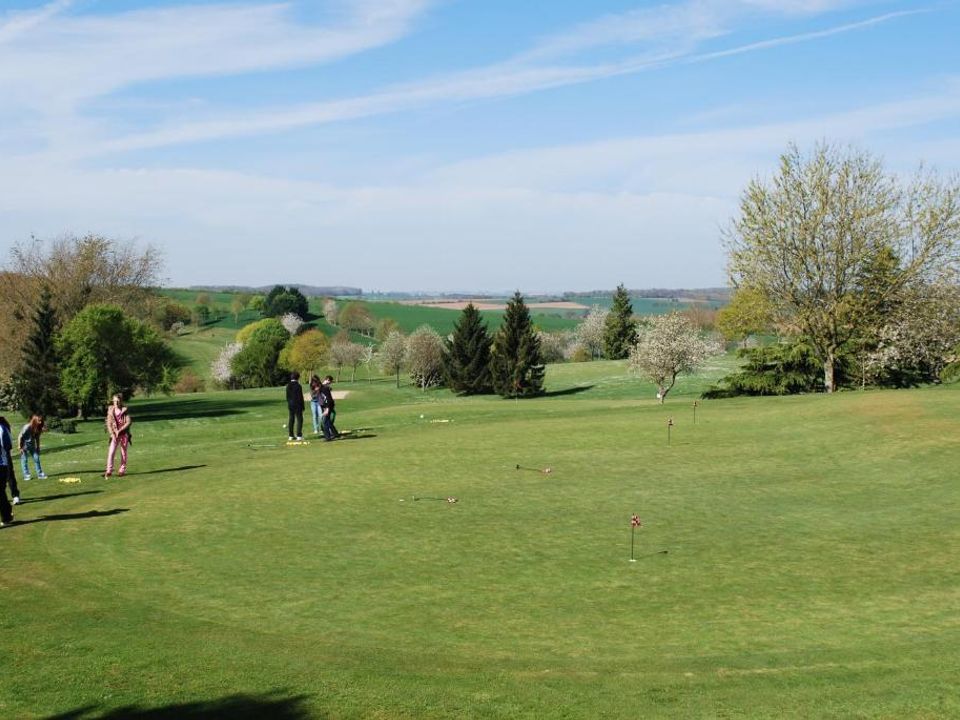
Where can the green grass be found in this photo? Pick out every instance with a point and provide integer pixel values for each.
(811, 569)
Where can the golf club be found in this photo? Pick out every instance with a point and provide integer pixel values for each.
(542, 471)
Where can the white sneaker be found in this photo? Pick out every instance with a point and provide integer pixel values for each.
(16, 500)
(42, 476)
(300, 438)
(26, 477)
(290, 439)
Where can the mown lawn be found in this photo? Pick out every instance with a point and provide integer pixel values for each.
(811, 564)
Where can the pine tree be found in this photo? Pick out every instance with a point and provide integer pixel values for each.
(37, 379)
(466, 358)
(516, 361)
(620, 333)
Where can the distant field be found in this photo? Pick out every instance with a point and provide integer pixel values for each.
(797, 559)
(649, 306)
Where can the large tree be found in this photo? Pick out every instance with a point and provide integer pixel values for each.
(258, 362)
(516, 363)
(37, 378)
(806, 238)
(103, 351)
(78, 271)
(466, 357)
(282, 300)
(620, 330)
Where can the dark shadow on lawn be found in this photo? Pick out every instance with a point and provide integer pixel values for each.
(72, 516)
(44, 498)
(353, 436)
(234, 707)
(568, 391)
(166, 470)
(204, 407)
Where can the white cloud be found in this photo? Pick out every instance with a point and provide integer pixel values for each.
(55, 61)
(15, 24)
(499, 80)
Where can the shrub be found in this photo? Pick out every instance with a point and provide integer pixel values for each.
(67, 426)
(189, 382)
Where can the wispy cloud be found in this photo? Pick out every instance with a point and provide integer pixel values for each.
(64, 60)
(18, 23)
(513, 77)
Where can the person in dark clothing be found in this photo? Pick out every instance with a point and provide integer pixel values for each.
(295, 406)
(328, 408)
(6, 474)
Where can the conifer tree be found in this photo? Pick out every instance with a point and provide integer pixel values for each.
(620, 332)
(466, 358)
(37, 379)
(516, 361)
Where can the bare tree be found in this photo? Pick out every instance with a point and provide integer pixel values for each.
(330, 311)
(392, 353)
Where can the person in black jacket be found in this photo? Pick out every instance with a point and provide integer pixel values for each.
(328, 407)
(6, 474)
(295, 406)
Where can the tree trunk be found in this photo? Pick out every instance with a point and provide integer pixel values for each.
(828, 372)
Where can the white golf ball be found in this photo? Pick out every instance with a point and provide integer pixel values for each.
(421, 416)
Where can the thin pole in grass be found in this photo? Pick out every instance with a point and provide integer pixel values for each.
(635, 522)
(696, 404)
(669, 426)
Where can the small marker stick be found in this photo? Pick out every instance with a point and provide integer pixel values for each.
(669, 425)
(635, 522)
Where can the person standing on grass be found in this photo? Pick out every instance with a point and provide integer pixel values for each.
(295, 406)
(29, 442)
(118, 425)
(328, 406)
(7, 476)
(315, 403)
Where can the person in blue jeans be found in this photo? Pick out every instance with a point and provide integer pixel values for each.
(315, 402)
(29, 442)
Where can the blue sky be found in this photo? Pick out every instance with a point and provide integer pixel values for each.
(440, 145)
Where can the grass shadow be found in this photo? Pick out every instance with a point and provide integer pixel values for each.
(166, 470)
(44, 498)
(180, 409)
(72, 516)
(568, 391)
(233, 707)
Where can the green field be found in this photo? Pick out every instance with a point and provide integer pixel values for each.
(811, 564)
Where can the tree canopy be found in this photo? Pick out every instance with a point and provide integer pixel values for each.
(103, 351)
(806, 240)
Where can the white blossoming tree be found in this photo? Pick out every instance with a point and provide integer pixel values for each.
(220, 368)
(425, 356)
(292, 323)
(590, 332)
(668, 346)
